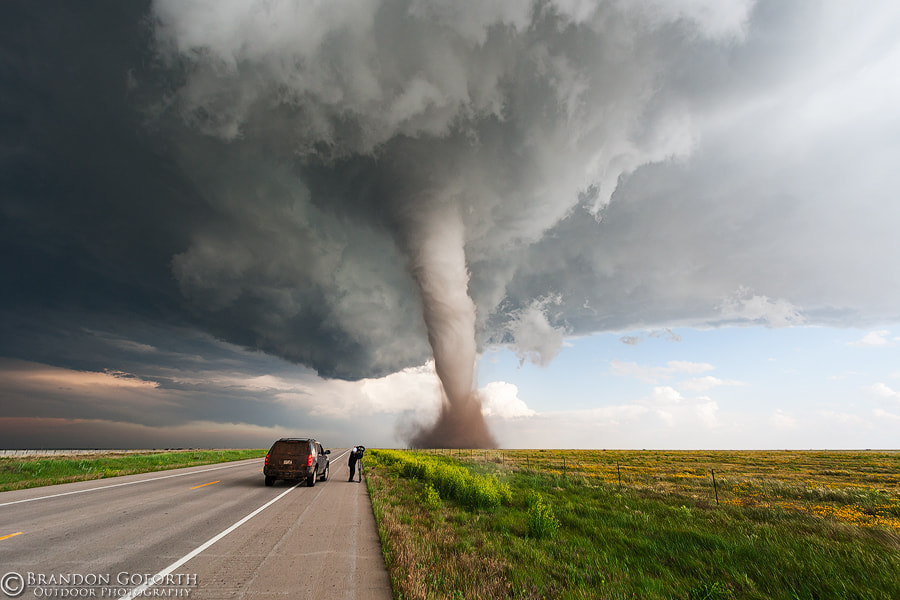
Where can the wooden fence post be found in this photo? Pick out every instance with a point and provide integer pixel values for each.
(715, 488)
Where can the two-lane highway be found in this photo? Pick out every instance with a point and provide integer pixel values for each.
(204, 532)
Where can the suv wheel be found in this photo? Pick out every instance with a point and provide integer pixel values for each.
(325, 474)
(270, 480)
(311, 479)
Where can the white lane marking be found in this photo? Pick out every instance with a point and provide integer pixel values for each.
(105, 487)
(161, 576)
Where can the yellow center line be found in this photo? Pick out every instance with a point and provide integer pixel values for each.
(204, 485)
(11, 535)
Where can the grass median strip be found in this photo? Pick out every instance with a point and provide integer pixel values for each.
(18, 472)
(114, 485)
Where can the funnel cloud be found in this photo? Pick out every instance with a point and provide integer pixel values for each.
(439, 269)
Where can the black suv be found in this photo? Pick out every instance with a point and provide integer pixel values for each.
(295, 459)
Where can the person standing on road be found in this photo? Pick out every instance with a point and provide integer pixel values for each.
(352, 462)
(356, 454)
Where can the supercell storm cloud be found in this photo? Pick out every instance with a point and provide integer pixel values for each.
(362, 187)
(466, 132)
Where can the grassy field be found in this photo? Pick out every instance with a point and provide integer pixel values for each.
(20, 472)
(648, 525)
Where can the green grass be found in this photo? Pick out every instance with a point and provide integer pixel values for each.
(27, 472)
(448, 479)
(576, 534)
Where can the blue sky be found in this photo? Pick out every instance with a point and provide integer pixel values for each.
(794, 387)
(653, 223)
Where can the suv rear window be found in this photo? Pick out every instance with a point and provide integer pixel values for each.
(290, 447)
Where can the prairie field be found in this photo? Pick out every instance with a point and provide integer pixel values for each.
(638, 524)
(857, 487)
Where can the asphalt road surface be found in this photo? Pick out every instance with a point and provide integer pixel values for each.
(207, 532)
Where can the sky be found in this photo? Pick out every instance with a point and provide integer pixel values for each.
(549, 224)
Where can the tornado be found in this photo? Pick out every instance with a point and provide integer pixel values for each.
(438, 266)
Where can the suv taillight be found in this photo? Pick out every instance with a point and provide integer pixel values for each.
(309, 462)
(267, 460)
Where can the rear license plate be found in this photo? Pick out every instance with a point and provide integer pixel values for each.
(288, 461)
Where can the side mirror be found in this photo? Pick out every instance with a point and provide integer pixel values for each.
(328, 452)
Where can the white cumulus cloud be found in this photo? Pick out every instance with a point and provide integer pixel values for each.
(883, 391)
(874, 339)
(501, 399)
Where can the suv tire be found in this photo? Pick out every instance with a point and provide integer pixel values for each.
(311, 480)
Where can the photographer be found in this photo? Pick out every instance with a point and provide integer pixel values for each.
(356, 454)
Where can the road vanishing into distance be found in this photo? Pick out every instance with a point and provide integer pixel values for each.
(213, 531)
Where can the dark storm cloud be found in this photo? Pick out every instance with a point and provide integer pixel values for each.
(273, 174)
(184, 376)
(176, 162)
(330, 137)
(100, 216)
